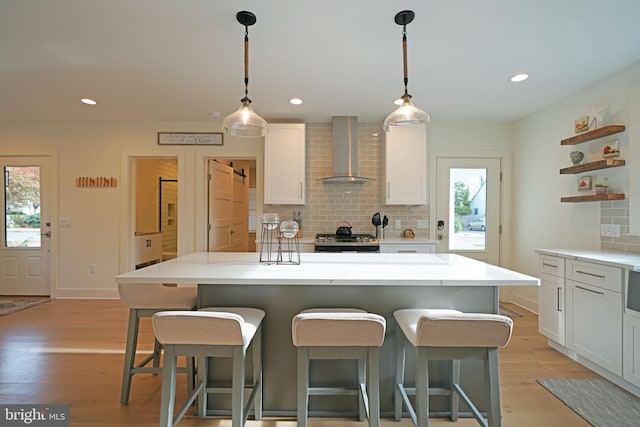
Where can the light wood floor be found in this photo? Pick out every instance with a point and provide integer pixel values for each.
(71, 351)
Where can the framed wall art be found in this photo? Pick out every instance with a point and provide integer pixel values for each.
(189, 138)
(584, 183)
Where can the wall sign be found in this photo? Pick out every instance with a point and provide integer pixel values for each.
(97, 181)
(189, 138)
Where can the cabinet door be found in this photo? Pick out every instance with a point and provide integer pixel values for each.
(594, 324)
(631, 351)
(416, 248)
(406, 166)
(284, 164)
(551, 320)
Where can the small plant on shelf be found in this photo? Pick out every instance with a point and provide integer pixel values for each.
(601, 186)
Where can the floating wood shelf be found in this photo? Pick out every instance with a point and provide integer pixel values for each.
(593, 134)
(592, 166)
(593, 198)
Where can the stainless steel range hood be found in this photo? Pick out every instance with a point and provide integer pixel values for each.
(345, 151)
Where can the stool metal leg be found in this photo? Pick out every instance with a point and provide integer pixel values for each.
(400, 355)
(257, 372)
(454, 401)
(303, 386)
(129, 355)
(422, 387)
(493, 388)
(374, 387)
(362, 385)
(168, 387)
(203, 374)
(237, 392)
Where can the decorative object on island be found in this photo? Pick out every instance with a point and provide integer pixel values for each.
(270, 222)
(245, 122)
(611, 149)
(584, 183)
(406, 114)
(288, 243)
(576, 157)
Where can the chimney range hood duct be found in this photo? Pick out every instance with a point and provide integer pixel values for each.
(345, 151)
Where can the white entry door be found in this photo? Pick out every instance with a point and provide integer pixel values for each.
(468, 199)
(26, 232)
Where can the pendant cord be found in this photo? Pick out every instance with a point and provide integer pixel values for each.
(246, 63)
(404, 58)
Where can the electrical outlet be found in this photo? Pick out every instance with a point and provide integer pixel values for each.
(398, 224)
(92, 268)
(610, 230)
(422, 223)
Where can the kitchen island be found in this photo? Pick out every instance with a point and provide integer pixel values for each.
(379, 283)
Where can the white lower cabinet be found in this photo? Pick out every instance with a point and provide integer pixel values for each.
(551, 320)
(408, 248)
(631, 350)
(594, 324)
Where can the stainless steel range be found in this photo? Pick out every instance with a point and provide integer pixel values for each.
(351, 243)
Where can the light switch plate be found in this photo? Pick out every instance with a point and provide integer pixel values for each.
(422, 223)
(610, 230)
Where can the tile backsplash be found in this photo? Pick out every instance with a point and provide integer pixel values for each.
(328, 204)
(617, 212)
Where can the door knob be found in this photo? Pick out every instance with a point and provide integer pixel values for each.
(46, 234)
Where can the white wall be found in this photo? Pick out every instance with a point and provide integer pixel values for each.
(101, 231)
(540, 220)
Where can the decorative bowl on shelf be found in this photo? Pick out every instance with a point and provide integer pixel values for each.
(576, 157)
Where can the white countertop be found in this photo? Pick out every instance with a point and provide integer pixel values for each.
(616, 259)
(244, 268)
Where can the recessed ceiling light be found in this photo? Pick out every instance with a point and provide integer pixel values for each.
(295, 101)
(88, 101)
(214, 115)
(519, 77)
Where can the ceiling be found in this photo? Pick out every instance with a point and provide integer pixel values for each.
(163, 60)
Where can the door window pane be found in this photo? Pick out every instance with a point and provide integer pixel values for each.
(468, 209)
(22, 206)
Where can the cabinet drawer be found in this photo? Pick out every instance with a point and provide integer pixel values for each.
(407, 249)
(595, 274)
(551, 265)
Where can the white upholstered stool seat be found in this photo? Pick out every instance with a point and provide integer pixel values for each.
(211, 332)
(442, 334)
(329, 333)
(144, 300)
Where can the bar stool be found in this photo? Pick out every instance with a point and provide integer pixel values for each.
(144, 300)
(211, 332)
(339, 334)
(439, 334)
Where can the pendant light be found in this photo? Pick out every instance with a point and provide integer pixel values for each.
(406, 114)
(244, 122)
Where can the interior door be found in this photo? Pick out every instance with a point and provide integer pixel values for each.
(26, 231)
(468, 199)
(240, 224)
(220, 206)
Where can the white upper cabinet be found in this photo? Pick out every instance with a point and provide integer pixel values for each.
(284, 164)
(406, 166)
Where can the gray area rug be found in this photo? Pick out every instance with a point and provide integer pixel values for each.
(598, 401)
(10, 305)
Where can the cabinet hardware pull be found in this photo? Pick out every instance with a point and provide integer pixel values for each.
(549, 265)
(590, 290)
(388, 189)
(301, 190)
(558, 299)
(590, 274)
(408, 251)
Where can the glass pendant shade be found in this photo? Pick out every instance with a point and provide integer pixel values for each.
(406, 114)
(244, 122)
